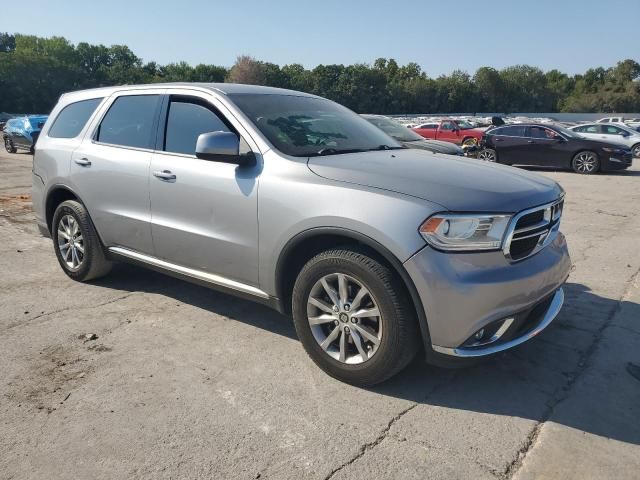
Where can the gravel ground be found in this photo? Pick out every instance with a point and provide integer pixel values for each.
(183, 382)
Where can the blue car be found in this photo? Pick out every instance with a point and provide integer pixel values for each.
(22, 132)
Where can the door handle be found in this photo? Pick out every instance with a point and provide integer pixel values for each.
(529, 141)
(83, 162)
(164, 175)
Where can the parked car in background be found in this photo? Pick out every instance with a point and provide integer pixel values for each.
(378, 251)
(411, 139)
(22, 132)
(552, 146)
(459, 132)
(631, 122)
(614, 133)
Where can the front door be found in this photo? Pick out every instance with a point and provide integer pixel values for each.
(449, 132)
(204, 214)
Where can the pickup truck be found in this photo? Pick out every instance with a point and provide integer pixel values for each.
(459, 132)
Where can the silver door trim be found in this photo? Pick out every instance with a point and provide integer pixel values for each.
(190, 272)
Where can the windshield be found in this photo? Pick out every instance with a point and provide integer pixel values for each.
(309, 126)
(463, 124)
(394, 129)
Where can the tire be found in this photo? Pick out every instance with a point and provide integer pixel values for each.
(72, 219)
(636, 150)
(488, 155)
(395, 328)
(9, 146)
(585, 162)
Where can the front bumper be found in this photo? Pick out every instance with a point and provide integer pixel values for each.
(463, 293)
(619, 161)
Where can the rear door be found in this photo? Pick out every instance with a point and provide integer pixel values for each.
(590, 131)
(205, 215)
(110, 169)
(510, 143)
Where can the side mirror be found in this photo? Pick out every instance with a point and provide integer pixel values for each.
(625, 134)
(222, 147)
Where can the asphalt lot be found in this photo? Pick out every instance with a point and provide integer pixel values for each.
(184, 382)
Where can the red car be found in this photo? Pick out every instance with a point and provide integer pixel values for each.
(459, 132)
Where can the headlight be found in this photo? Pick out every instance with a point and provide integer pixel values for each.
(465, 232)
(612, 150)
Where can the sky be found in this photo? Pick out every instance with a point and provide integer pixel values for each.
(439, 35)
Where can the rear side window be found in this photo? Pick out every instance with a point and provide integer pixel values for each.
(130, 121)
(72, 119)
(185, 122)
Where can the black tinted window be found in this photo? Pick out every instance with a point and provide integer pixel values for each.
(129, 121)
(510, 131)
(73, 118)
(185, 122)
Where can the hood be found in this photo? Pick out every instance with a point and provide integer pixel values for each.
(457, 183)
(436, 146)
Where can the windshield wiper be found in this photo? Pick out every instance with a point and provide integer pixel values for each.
(335, 151)
(384, 147)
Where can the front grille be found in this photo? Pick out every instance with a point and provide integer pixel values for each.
(532, 230)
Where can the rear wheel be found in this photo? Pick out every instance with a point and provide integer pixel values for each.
(78, 248)
(353, 317)
(488, 155)
(8, 145)
(585, 163)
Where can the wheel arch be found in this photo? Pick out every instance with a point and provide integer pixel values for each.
(305, 245)
(55, 196)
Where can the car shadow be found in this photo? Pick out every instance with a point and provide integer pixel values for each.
(525, 382)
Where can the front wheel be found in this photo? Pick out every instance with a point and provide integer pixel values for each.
(8, 145)
(636, 150)
(353, 317)
(469, 142)
(488, 155)
(585, 163)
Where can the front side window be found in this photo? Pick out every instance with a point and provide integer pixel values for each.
(185, 122)
(72, 119)
(130, 121)
(612, 130)
(510, 131)
(542, 133)
(303, 126)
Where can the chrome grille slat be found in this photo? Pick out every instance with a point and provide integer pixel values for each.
(520, 243)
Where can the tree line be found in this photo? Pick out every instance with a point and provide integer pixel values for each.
(34, 71)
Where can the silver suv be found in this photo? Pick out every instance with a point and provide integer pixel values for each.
(377, 251)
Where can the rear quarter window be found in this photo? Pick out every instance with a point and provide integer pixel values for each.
(72, 119)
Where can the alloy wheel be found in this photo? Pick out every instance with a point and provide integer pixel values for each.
(487, 155)
(636, 151)
(585, 162)
(70, 242)
(344, 318)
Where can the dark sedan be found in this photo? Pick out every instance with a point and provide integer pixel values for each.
(550, 145)
(411, 139)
